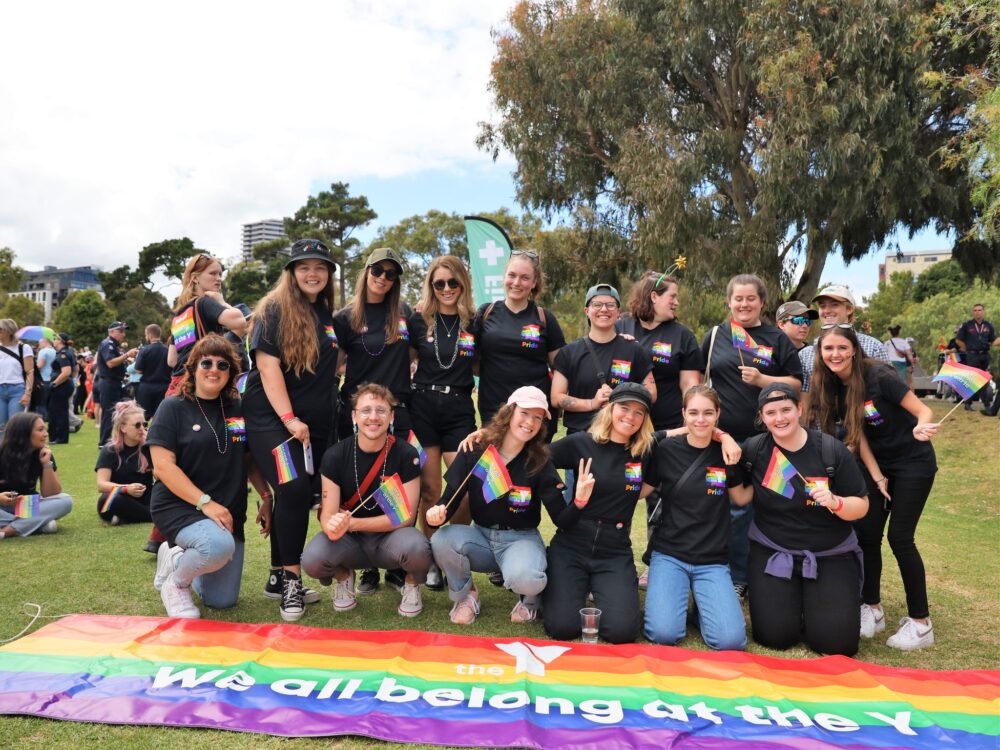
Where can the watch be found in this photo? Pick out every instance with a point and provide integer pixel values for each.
(202, 502)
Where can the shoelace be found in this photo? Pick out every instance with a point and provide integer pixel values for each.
(294, 596)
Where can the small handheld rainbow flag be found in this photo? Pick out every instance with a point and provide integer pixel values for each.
(492, 472)
(391, 498)
(412, 440)
(778, 477)
(106, 505)
(742, 339)
(27, 506)
(241, 383)
(283, 461)
(966, 381)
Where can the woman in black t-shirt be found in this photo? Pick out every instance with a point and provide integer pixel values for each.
(805, 563)
(199, 502)
(125, 469)
(592, 550)
(289, 403)
(891, 429)
(27, 467)
(505, 536)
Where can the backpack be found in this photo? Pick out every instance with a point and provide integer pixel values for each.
(753, 447)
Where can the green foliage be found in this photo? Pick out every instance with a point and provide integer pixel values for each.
(889, 301)
(245, 283)
(11, 276)
(85, 316)
(24, 311)
(167, 257)
(138, 308)
(946, 276)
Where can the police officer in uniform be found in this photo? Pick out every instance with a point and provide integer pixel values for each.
(111, 361)
(60, 390)
(975, 339)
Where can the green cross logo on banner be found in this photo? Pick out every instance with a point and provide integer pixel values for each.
(489, 248)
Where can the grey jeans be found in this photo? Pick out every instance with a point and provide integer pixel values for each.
(405, 548)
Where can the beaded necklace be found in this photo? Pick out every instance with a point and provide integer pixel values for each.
(221, 445)
(357, 480)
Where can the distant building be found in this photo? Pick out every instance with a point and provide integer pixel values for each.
(50, 286)
(915, 263)
(261, 231)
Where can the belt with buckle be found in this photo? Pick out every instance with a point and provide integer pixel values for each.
(448, 389)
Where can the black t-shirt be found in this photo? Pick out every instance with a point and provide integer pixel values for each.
(223, 476)
(107, 350)
(341, 460)
(978, 337)
(694, 518)
(184, 329)
(514, 351)
(796, 523)
(777, 358)
(151, 361)
(312, 395)
(619, 478)
(27, 485)
(369, 358)
(521, 508)
(619, 360)
(64, 358)
(433, 361)
(671, 348)
(125, 468)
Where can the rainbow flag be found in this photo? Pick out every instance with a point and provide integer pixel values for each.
(966, 381)
(492, 472)
(241, 383)
(106, 505)
(742, 339)
(408, 686)
(412, 440)
(778, 477)
(182, 329)
(715, 476)
(391, 498)
(283, 461)
(27, 506)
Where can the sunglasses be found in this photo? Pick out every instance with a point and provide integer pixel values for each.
(441, 283)
(799, 320)
(391, 274)
(844, 326)
(526, 253)
(140, 425)
(207, 364)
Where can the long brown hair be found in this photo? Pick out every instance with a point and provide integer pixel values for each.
(640, 303)
(196, 265)
(494, 431)
(391, 302)
(824, 388)
(299, 351)
(210, 345)
(429, 301)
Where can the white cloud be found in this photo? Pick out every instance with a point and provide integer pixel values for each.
(126, 123)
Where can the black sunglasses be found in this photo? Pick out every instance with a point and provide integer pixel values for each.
(143, 425)
(526, 253)
(391, 274)
(450, 283)
(220, 365)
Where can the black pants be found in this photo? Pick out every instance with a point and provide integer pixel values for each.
(592, 557)
(293, 500)
(111, 394)
(59, 411)
(128, 509)
(982, 361)
(150, 396)
(909, 495)
(825, 612)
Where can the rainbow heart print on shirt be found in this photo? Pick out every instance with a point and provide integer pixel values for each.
(404, 330)
(662, 350)
(237, 429)
(872, 417)
(633, 477)
(531, 336)
(620, 370)
(715, 480)
(466, 344)
(331, 334)
(182, 329)
(519, 499)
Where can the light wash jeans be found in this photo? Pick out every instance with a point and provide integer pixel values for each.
(10, 401)
(518, 555)
(50, 508)
(212, 563)
(723, 626)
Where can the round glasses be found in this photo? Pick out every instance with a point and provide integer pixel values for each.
(219, 364)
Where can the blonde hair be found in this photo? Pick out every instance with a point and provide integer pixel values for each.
(8, 326)
(429, 301)
(638, 445)
(536, 265)
(196, 265)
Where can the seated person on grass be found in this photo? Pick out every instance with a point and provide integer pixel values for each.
(124, 468)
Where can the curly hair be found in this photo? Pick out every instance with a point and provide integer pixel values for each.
(392, 305)
(495, 430)
(212, 345)
(429, 301)
(118, 423)
(196, 265)
(640, 302)
(638, 445)
(375, 391)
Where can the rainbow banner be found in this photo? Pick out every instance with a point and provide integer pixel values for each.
(283, 461)
(492, 472)
(966, 381)
(412, 440)
(27, 506)
(106, 505)
(406, 686)
(779, 474)
(182, 329)
(391, 498)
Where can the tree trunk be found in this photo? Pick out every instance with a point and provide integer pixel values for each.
(805, 290)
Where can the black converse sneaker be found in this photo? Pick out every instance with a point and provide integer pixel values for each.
(292, 605)
(274, 586)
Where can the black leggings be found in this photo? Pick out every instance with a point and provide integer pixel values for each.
(293, 500)
(825, 612)
(128, 509)
(909, 495)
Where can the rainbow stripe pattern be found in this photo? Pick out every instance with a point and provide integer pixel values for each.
(106, 505)
(27, 506)
(661, 352)
(466, 344)
(492, 472)
(407, 686)
(519, 498)
(237, 429)
(872, 415)
(283, 462)
(742, 339)
(620, 369)
(966, 381)
(391, 498)
(412, 440)
(182, 329)
(778, 477)
(404, 330)
(331, 334)
(241, 383)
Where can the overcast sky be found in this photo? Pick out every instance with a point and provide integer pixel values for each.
(127, 123)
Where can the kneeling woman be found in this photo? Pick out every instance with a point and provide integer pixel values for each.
(505, 536)
(690, 538)
(124, 468)
(805, 563)
(28, 468)
(198, 445)
(592, 550)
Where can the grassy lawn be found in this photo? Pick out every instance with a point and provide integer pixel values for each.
(90, 568)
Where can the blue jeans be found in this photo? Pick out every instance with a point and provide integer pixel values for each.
(721, 618)
(10, 401)
(518, 555)
(739, 542)
(49, 509)
(212, 563)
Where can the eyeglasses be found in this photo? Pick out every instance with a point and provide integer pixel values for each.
(379, 411)
(603, 305)
(526, 253)
(450, 283)
(844, 326)
(799, 320)
(219, 364)
(391, 274)
(140, 425)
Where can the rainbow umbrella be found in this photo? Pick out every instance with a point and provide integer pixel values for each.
(34, 333)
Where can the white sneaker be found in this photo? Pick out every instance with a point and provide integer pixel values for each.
(50, 528)
(872, 621)
(912, 635)
(166, 561)
(178, 601)
(412, 604)
(343, 594)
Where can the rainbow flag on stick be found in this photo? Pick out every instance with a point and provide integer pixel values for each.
(106, 505)
(492, 472)
(742, 339)
(27, 506)
(966, 381)
(412, 440)
(391, 498)
(283, 460)
(779, 474)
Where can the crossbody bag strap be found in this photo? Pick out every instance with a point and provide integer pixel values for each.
(657, 514)
(370, 477)
(597, 362)
(708, 364)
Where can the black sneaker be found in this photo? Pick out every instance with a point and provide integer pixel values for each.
(292, 605)
(368, 583)
(396, 578)
(275, 584)
(152, 547)
(497, 579)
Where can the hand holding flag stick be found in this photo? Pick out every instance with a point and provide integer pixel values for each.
(492, 471)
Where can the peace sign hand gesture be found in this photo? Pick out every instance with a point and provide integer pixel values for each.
(584, 484)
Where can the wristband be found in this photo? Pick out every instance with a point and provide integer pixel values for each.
(287, 417)
(578, 500)
(49, 465)
(840, 505)
(266, 496)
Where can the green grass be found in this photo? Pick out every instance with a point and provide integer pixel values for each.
(91, 568)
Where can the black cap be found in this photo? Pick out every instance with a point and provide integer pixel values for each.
(309, 250)
(65, 338)
(117, 326)
(632, 392)
(776, 392)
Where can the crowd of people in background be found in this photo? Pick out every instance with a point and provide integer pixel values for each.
(772, 458)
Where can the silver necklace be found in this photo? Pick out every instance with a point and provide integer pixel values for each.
(437, 352)
(357, 480)
(221, 445)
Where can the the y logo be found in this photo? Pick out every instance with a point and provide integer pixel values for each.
(531, 659)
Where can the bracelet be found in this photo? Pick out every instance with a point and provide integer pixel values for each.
(879, 481)
(287, 417)
(266, 496)
(49, 465)
(578, 500)
(840, 505)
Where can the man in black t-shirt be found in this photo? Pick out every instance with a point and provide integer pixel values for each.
(151, 363)
(111, 362)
